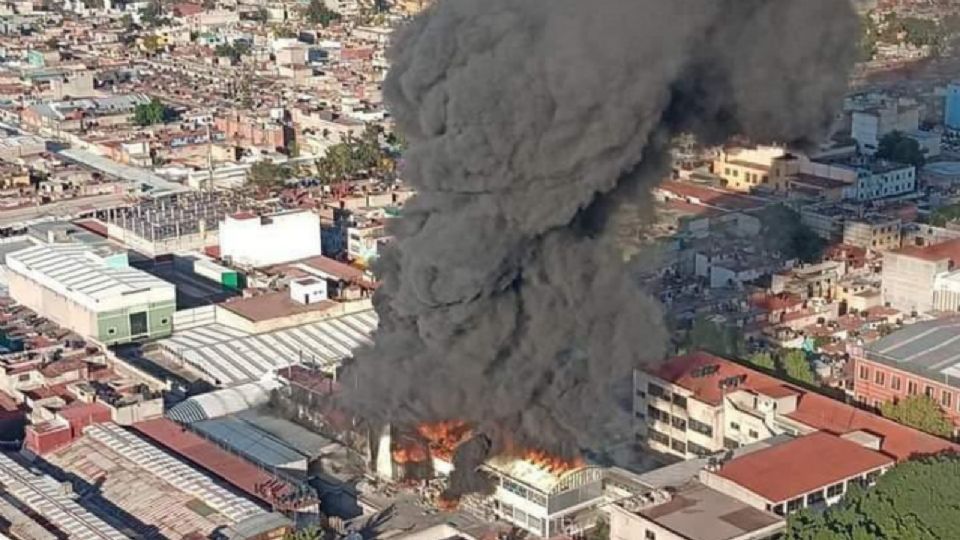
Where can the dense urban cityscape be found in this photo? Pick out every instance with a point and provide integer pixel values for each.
(351, 269)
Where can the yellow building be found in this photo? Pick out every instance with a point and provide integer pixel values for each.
(745, 169)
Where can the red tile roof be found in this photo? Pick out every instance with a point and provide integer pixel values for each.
(726, 200)
(237, 471)
(937, 252)
(814, 410)
(805, 464)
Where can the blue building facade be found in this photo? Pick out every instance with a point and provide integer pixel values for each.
(952, 109)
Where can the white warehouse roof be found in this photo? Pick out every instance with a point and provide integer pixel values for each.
(229, 357)
(46, 497)
(223, 402)
(78, 273)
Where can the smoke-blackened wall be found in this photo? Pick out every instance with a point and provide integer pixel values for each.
(530, 123)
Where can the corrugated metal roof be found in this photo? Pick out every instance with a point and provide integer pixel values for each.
(222, 402)
(45, 496)
(173, 471)
(229, 357)
(77, 272)
(256, 445)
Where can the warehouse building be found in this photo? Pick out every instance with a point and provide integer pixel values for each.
(226, 356)
(81, 290)
(923, 358)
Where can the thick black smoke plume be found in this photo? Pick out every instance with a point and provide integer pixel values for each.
(530, 123)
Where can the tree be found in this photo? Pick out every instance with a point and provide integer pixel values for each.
(151, 44)
(154, 112)
(282, 31)
(908, 502)
(919, 412)
(267, 175)
(763, 360)
(896, 146)
(782, 230)
(717, 338)
(794, 364)
(601, 531)
(941, 216)
(319, 13)
(152, 14)
(234, 51)
(309, 533)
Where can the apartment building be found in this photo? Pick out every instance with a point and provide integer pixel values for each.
(876, 232)
(701, 404)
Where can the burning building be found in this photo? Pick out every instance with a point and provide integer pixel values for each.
(539, 492)
(545, 495)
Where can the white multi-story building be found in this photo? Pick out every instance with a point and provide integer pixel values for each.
(870, 125)
(885, 179)
(911, 275)
(700, 404)
(262, 240)
(544, 502)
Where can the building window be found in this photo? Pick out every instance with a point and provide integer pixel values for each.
(696, 449)
(946, 398)
(878, 377)
(679, 446)
(734, 426)
(753, 434)
(641, 394)
(655, 390)
(700, 427)
(164, 321)
(835, 490)
(814, 498)
(640, 415)
(730, 444)
(778, 509)
(794, 504)
(864, 372)
(928, 391)
(649, 535)
(658, 437)
(895, 382)
(657, 414)
(679, 401)
(678, 423)
(111, 331)
(912, 387)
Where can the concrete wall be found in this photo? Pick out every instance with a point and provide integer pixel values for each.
(51, 305)
(907, 282)
(137, 412)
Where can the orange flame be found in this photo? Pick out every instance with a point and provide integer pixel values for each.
(412, 453)
(554, 464)
(444, 437)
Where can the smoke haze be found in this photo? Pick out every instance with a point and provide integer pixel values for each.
(534, 127)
